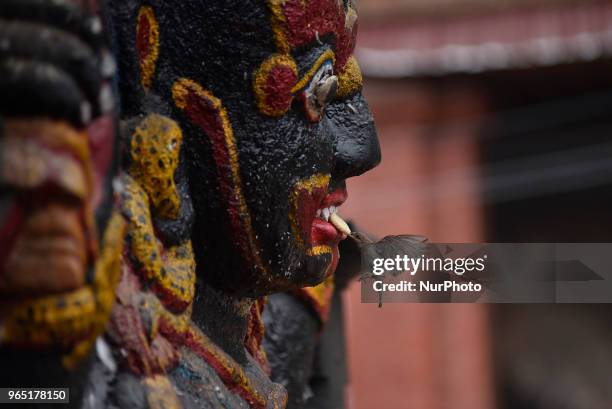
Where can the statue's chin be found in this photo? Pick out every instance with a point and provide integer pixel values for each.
(299, 268)
(317, 267)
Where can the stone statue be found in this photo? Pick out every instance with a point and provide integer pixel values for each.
(304, 337)
(239, 123)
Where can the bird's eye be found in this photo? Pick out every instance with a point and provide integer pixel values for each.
(320, 91)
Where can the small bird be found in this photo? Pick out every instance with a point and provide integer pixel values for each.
(413, 246)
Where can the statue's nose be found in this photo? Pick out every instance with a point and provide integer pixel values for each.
(356, 148)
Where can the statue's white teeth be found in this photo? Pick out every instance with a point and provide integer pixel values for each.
(326, 212)
(330, 214)
(339, 224)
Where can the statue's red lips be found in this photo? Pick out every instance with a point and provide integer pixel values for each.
(312, 203)
(322, 231)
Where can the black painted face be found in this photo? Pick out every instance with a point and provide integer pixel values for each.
(269, 99)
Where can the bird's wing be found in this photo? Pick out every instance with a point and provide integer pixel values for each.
(391, 246)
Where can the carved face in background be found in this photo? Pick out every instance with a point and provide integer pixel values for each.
(56, 145)
(269, 99)
(57, 132)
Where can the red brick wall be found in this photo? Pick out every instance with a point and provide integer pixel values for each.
(419, 356)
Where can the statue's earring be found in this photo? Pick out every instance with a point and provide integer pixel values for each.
(273, 84)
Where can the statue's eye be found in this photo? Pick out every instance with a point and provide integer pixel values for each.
(320, 91)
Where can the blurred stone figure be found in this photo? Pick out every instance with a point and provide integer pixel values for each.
(60, 240)
(304, 337)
